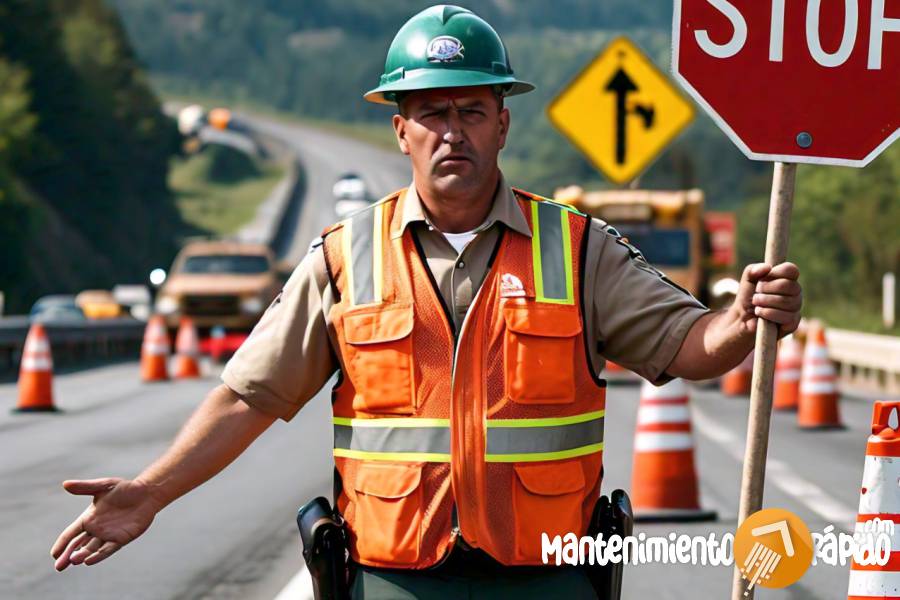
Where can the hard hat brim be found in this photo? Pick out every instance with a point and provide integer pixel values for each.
(430, 79)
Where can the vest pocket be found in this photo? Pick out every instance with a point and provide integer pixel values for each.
(547, 498)
(539, 353)
(380, 358)
(387, 517)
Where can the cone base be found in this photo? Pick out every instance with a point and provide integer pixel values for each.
(826, 427)
(30, 409)
(675, 515)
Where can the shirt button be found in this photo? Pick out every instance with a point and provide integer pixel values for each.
(461, 264)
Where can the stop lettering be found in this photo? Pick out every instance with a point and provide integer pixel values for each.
(814, 81)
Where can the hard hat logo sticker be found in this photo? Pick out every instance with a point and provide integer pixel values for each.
(445, 48)
(772, 548)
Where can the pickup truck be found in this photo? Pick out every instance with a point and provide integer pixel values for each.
(221, 284)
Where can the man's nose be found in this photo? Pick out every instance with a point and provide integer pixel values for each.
(453, 129)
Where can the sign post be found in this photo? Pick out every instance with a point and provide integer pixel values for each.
(760, 70)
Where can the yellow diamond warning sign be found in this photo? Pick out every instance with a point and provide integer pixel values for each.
(621, 111)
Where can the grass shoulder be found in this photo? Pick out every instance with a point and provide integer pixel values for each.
(218, 190)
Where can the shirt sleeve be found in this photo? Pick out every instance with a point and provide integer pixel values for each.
(640, 318)
(288, 357)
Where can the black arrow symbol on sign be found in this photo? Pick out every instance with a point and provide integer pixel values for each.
(621, 85)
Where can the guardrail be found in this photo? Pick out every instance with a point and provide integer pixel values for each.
(73, 342)
(867, 362)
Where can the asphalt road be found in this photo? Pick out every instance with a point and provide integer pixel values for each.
(235, 537)
(325, 157)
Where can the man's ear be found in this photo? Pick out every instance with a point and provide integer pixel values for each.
(400, 131)
(504, 126)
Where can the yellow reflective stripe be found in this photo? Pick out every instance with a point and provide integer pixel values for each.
(539, 456)
(549, 422)
(346, 239)
(393, 456)
(377, 257)
(391, 422)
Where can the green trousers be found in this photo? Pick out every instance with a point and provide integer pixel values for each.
(383, 584)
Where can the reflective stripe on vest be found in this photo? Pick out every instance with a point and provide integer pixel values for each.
(363, 255)
(508, 440)
(551, 251)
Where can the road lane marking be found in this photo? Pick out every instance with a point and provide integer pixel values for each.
(780, 474)
(298, 588)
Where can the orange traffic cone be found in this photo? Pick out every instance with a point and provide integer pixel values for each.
(878, 499)
(787, 374)
(155, 351)
(736, 382)
(818, 406)
(664, 482)
(187, 349)
(36, 373)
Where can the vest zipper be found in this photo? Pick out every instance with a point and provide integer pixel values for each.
(458, 416)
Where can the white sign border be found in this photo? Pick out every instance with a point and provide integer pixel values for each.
(787, 158)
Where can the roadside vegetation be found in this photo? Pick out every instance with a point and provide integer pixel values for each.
(219, 189)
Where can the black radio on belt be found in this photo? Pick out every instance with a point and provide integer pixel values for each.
(612, 516)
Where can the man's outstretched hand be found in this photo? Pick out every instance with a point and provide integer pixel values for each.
(120, 512)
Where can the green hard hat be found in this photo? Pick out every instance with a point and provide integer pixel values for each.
(442, 47)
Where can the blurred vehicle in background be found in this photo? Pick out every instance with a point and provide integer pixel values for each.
(56, 308)
(693, 248)
(219, 283)
(350, 194)
(135, 299)
(98, 304)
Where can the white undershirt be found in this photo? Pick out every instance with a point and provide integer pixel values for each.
(460, 240)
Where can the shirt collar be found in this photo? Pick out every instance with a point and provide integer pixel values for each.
(505, 209)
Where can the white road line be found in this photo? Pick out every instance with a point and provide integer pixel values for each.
(780, 474)
(298, 588)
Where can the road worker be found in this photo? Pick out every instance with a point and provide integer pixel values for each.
(469, 322)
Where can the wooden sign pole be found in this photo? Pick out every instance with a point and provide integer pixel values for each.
(753, 479)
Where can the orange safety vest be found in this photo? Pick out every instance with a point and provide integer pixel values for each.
(499, 436)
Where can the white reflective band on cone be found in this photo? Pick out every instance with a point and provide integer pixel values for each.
(816, 352)
(788, 375)
(819, 370)
(156, 348)
(663, 414)
(817, 387)
(880, 477)
(669, 391)
(651, 441)
(34, 363)
(876, 584)
(37, 346)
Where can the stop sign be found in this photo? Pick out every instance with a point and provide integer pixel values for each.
(812, 81)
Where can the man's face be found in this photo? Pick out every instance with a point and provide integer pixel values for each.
(453, 137)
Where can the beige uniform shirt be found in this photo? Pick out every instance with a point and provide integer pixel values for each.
(634, 316)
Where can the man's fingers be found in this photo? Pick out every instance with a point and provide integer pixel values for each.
(782, 317)
(64, 559)
(755, 272)
(66, 536)
(105, 551)
(788, 303)
(785, 287)
(89, 487)
(785, 270)
(77, 557)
